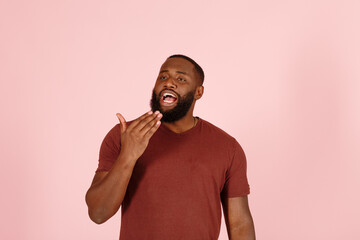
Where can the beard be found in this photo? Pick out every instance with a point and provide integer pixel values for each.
(176, 113)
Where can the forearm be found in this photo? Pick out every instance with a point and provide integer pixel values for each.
(105, 196)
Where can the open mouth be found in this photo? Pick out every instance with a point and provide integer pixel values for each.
(168, 97)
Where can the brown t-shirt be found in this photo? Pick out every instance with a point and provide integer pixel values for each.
(177, 184)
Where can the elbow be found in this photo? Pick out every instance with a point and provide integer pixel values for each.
(97, 218)
(96, 214)
(100, 216)
(99, 212)
(243, 231)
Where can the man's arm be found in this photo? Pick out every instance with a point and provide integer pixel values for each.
(238, 219)
(108, 189)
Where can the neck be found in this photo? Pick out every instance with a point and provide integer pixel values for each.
(182, 125)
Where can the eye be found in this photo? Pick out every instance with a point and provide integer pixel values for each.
(162, 77)
(181, 79)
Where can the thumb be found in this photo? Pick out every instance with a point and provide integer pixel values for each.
(122, 122)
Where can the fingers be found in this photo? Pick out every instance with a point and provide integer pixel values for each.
(150, 122)
(143, 124)
(138, 120)
(146, 124)
(153, 128)
(122, 122)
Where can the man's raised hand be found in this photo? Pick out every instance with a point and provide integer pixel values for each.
(136, 136)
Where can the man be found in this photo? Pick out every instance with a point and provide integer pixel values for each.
(171, 171)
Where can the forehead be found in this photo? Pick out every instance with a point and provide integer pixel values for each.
(178, 64)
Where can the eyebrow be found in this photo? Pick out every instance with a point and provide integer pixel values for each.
(176, 71)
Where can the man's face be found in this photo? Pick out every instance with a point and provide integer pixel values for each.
(174, 90)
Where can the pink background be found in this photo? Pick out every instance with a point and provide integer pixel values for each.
(281, 76)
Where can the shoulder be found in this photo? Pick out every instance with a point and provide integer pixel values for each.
(113, 132)
(112, 138)
(216, 131)
(216, 139)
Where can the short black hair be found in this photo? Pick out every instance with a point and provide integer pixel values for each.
(198, 69)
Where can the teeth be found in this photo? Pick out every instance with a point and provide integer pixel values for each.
(169, 94)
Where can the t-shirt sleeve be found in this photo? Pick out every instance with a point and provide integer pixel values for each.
(236, 183)
(110, 149)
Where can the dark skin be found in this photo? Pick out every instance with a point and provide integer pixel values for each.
(178, 75)
(108, 189)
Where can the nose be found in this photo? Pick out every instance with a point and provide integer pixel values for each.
(170, 83)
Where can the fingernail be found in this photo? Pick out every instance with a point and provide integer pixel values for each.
(157, 112)
(149, 112)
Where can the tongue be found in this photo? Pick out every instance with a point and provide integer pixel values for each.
(169, 99)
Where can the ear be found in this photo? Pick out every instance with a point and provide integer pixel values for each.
(199, 92)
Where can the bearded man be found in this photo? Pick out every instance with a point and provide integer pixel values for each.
(171, 171)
